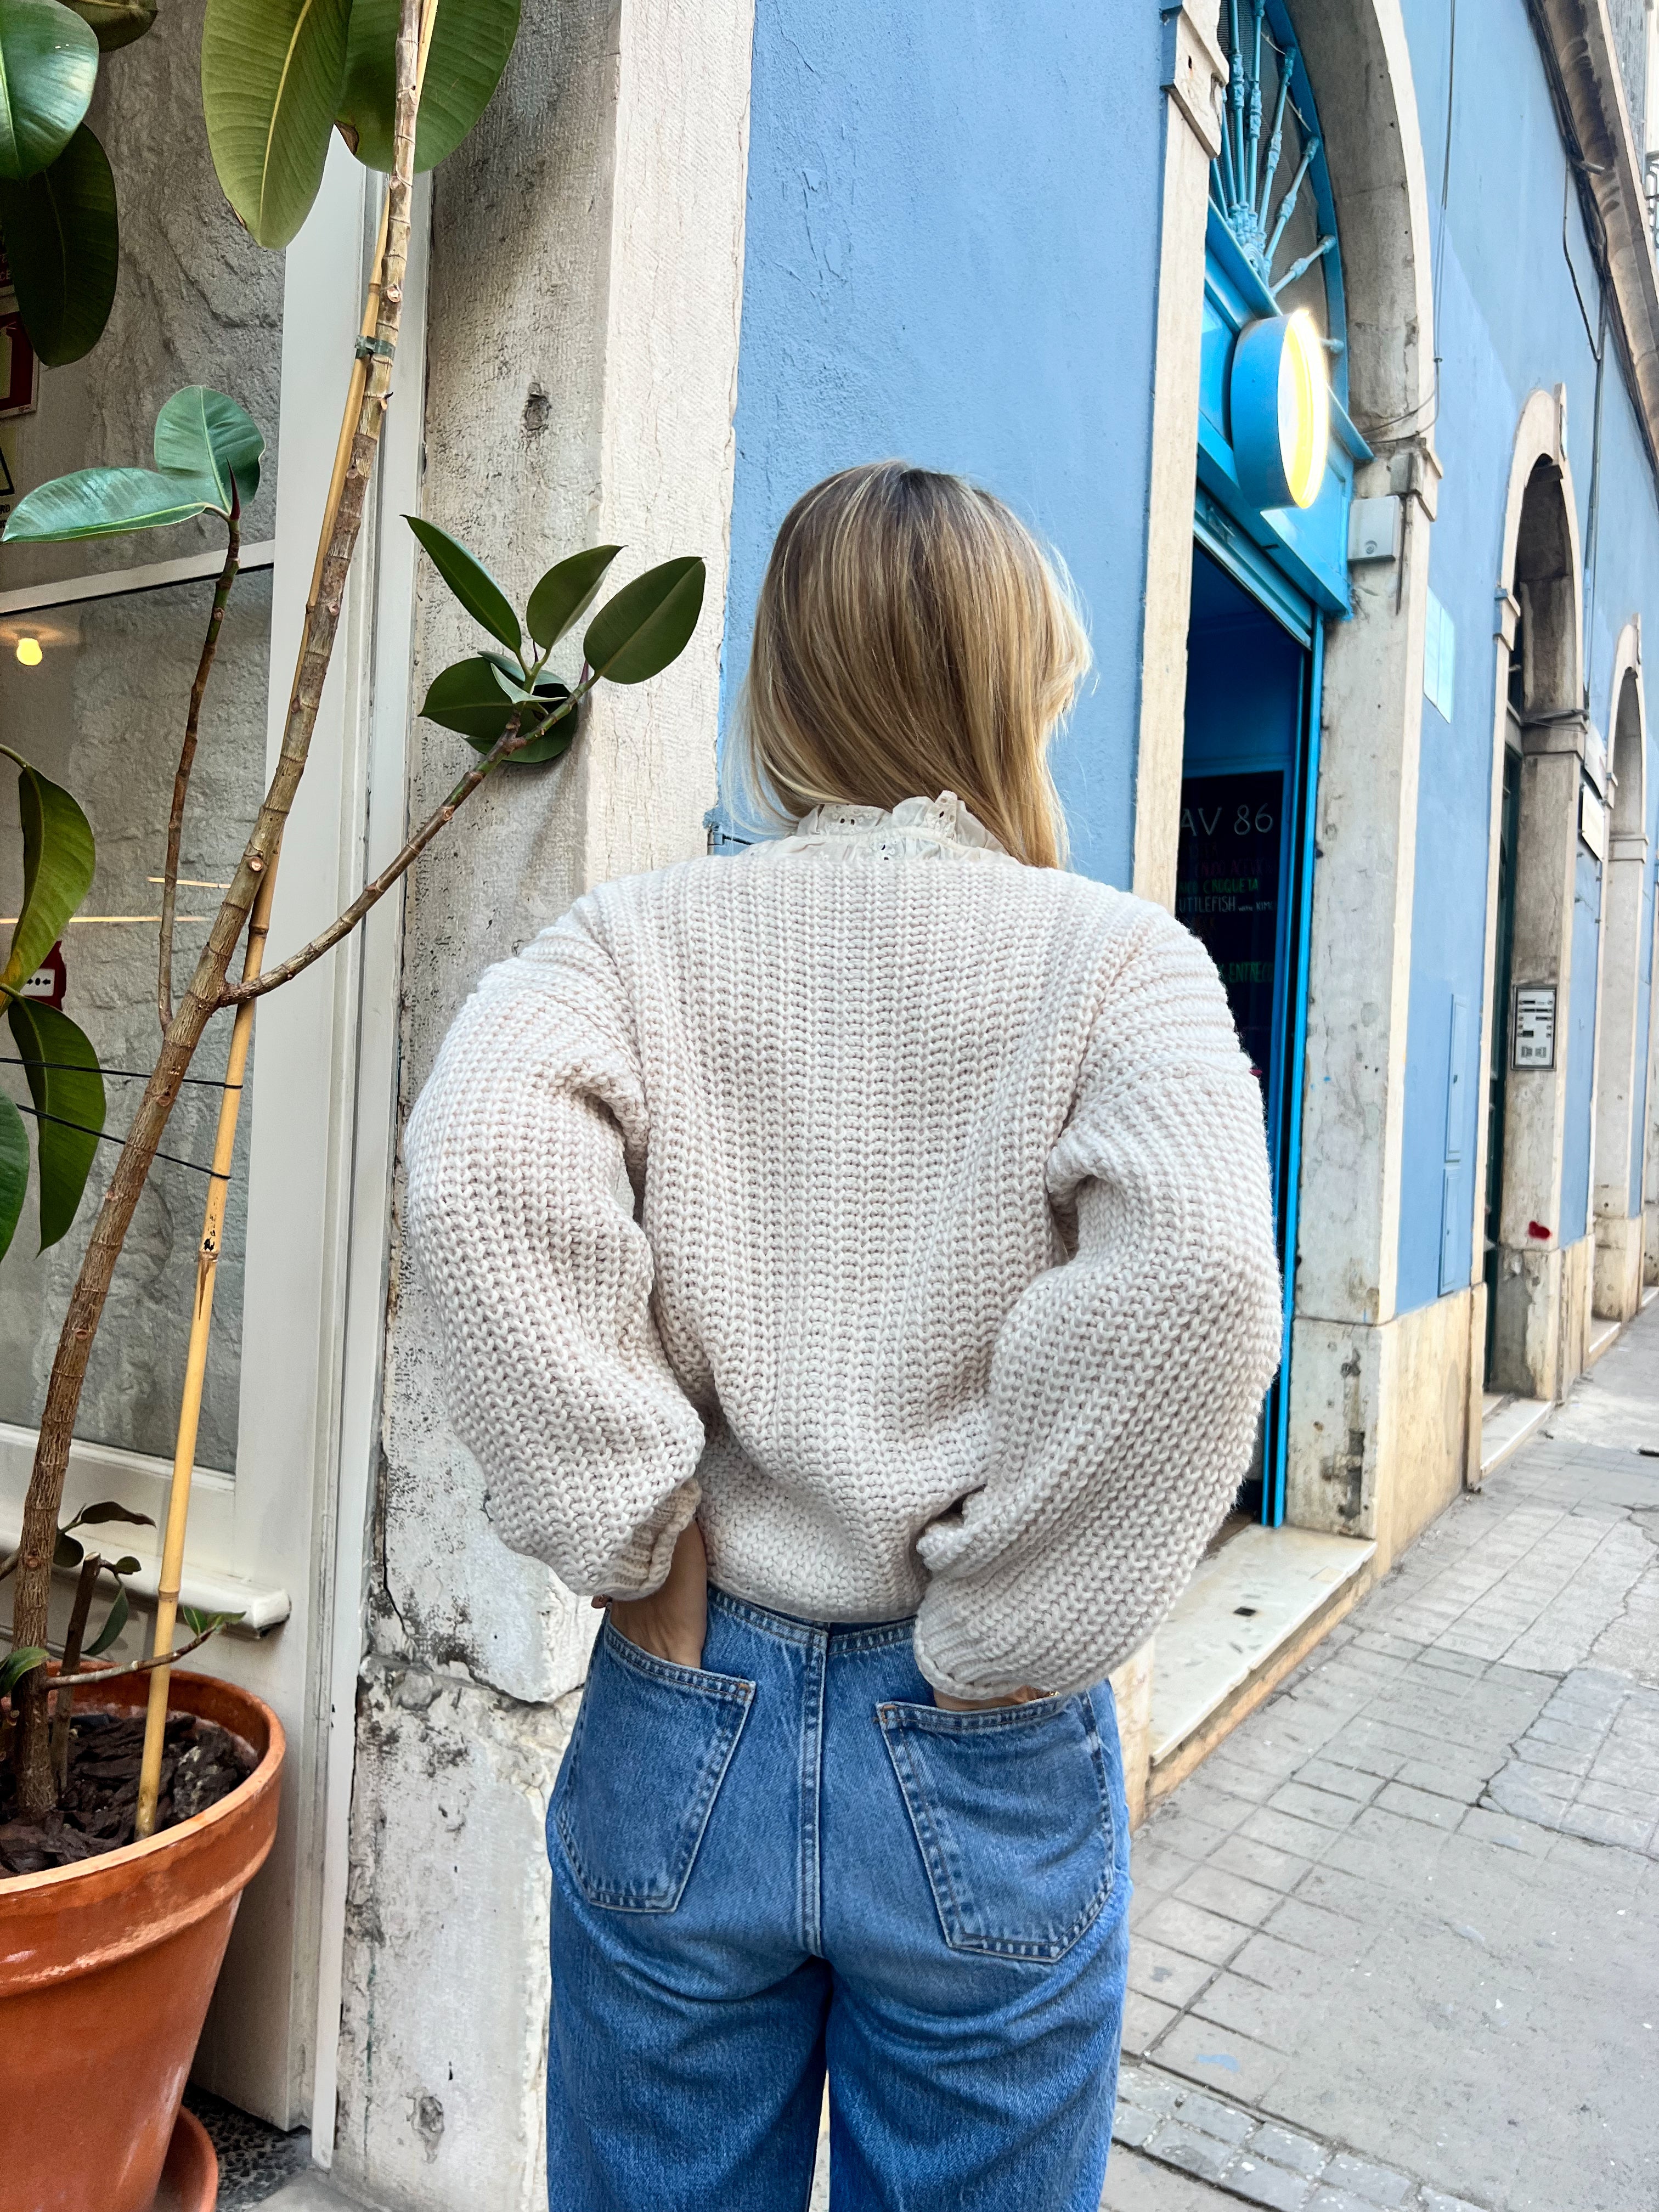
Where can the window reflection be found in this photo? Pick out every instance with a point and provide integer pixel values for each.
(99, 706)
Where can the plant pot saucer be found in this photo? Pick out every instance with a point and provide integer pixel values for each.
(190, 2179)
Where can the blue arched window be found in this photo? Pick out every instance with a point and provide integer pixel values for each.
(1272, 248)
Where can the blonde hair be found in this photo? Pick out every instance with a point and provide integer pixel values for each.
(912, 637)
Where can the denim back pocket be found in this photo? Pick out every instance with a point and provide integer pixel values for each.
(650, 1750)
(1012, 1815)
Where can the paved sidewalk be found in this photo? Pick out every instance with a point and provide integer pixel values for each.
(1397, 1941)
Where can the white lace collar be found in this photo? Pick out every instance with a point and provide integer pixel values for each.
(917, 828)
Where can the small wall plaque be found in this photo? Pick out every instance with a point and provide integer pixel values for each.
(1533, 1028)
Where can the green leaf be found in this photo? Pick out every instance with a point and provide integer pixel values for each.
(58, 857)
(199, 433)
(646, 625)
(477, 697)
(201, 1624)
(271, 74)
(107, 503)
(566, 592)
(63, 240)
(107, 1509)
(472, 41)
(471, 581)
(115, 23)
(48, 67)
(126, 1565)
(13, 1170)
(21, 1660)
(114, 1622)
(65, 1083)
(66, 1553)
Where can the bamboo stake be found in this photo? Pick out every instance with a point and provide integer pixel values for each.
(230, 1101)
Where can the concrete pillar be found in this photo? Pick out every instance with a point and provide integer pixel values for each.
(586, 273)
(1533, 1340)
(1194, 73)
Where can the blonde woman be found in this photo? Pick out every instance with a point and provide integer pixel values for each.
(857, 1268)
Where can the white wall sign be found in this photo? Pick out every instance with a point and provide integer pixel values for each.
(1534, 1025)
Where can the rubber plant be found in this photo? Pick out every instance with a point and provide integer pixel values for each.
(403, 81)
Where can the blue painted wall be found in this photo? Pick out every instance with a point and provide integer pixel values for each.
(952, 255)
(1509, 321)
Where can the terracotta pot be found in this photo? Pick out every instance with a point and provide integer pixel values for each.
(190, 2179)
(106, 1970)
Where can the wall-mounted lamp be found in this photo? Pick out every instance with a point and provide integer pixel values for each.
(29, 652)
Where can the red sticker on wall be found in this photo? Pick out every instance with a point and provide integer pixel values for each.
(46, 986)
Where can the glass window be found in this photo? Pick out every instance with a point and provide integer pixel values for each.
(101, 711)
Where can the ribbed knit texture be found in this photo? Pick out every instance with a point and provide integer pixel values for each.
(899, 1210)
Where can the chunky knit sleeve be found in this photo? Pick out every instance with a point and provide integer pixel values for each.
(520, 1213)
(1126, 1382)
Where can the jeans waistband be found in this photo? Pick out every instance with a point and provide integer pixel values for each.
(839, 1636)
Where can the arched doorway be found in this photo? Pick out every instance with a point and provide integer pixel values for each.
(1270, 564)
(1545, 919)
(1622, 1043)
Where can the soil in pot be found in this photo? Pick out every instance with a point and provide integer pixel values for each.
(201, 1764)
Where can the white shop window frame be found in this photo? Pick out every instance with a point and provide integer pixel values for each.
(286, 1537)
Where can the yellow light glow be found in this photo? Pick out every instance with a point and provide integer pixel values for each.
(28, 652)
(1304, 408)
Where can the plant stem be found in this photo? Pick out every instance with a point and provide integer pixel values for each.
(186, 761)
(90, 1568)
(134, 1666)
(510, 742)
(201, 1001)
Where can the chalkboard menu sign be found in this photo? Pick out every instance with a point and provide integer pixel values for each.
(1227, 872)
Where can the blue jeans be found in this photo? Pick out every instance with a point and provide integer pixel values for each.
(792, 1857)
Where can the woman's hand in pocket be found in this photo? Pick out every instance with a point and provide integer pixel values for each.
(947, 1703)
(671, 1623)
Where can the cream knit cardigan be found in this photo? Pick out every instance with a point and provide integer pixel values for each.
(900, 1211)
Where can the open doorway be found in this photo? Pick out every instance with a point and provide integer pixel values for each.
(1241, 879)
(1546, 918)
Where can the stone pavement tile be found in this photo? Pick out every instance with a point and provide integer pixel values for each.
(1211, 2118)
(1240, 1780)
(1179, 1829)
(1465, 1783)
(1148, 2089)
(1171, 1977)
(1607, 1827)
(1434, 2201)
(1260, 2183)
(1256, 1862)
(1373, 2184)
(1192, 2152)
(1135, 2183)
(1286, 1968)
(1144, 2021)
(1338, 1781)
(1206, 1800)
(1132, 2126)
(1221, 2058)
(1311, 1928)
(1300, 2153)
(1232, 2001)
(1394, 1853)
(1322, 1806)
(1230, 1895)
(1305, 1839)
(1619, 1797)
(1154, 1867)
(1482, 1826)
(1187, 1928)
(1422, 1805)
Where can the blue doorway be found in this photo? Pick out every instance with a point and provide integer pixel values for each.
(1243, 880)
